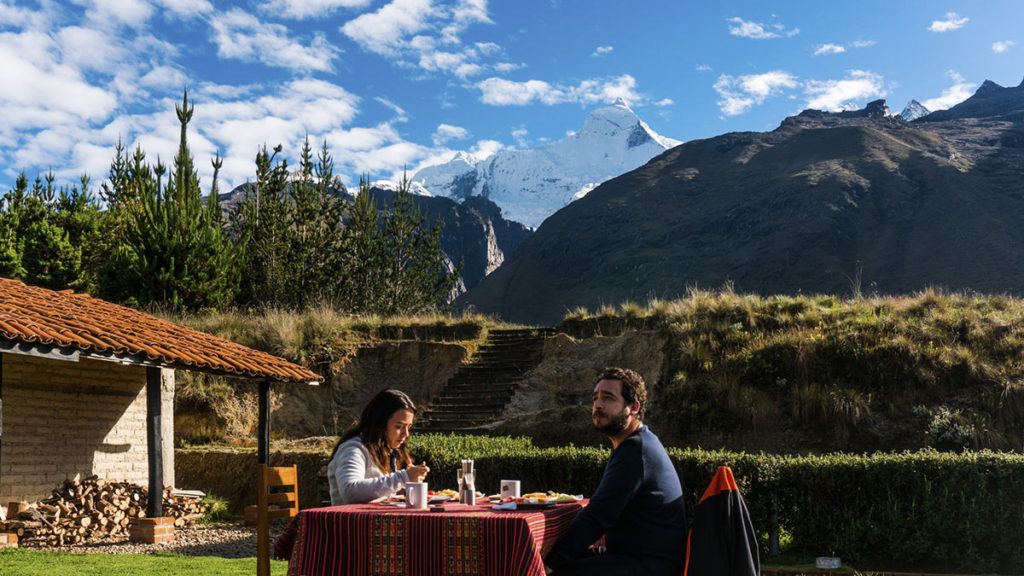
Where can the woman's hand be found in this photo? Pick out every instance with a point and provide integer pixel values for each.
(417, 473)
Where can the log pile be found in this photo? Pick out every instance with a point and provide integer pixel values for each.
(80, 511)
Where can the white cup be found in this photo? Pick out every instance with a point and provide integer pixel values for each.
(509, 489)
(416, 495)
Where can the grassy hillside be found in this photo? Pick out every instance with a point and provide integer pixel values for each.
(822, 373)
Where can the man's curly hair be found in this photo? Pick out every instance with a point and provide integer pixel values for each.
(633, 387)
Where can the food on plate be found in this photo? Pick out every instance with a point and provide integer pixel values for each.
(547, 497)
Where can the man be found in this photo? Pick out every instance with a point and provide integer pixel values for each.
(638, 506)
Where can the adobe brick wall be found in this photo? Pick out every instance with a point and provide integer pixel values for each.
(62, 419)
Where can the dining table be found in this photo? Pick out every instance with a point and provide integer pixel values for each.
(388, 539)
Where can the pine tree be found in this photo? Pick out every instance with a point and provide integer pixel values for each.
(259, 224)
(315, 232)
(11, 243)
(363, 270)
(175, 253)
(418, 279)
(48, 236)
(294, 232)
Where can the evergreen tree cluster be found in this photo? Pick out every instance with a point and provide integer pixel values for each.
(295, 240)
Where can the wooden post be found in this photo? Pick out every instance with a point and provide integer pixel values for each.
(262, 456)
(1, 419)
(262, 522)
(154, 443)
(263, 426)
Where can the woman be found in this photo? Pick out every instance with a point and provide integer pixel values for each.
(371, 461)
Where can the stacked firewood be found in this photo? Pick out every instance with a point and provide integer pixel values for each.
(90, 509)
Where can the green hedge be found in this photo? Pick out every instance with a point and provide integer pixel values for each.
(895, 511)
(957, 511)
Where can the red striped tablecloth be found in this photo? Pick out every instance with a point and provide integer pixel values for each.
(378, 540)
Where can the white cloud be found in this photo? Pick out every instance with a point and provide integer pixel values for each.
(507, 66)
(1000, 47)
(187, 8)
(758, 30)
(485, 149)
(131, 13)
(952, 22)
(431, 58)
(35, 92)
(89, 49)
(863, 43)
(391, 159)
(165, 78)
(487, 48)
(241, 36)
(829, 49)
(11, 15)
(446, 132)
(383, 32)
(302, 9)
(741, 93)
(703, 68)
(502, 92)
(520, 136)
(834, 95)
(664, 102)
(955, 94)
(426, 35)
(398, 110)
(464, 13)
(602, 51)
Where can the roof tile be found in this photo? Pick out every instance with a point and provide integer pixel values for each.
(63, 318)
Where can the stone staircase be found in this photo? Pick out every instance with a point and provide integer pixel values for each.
(478, 393)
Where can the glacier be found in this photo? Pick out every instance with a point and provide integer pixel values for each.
(531, 184)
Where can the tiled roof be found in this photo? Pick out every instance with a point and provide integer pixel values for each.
(42, 317)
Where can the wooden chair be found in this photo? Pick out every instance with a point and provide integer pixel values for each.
(277, 497)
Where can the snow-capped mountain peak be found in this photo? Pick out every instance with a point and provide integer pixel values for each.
(414, 187)
(529, 185)
(913, 111)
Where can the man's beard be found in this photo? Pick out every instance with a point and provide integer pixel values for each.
(616, 423)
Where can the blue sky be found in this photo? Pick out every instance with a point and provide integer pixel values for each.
(405, 83)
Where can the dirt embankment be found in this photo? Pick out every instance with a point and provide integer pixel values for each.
(418, 368)
(553, 402)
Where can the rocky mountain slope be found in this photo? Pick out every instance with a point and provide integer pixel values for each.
(831, 203)
(475, 232)
(529, 185)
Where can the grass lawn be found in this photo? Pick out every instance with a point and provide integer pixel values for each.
(40, 563)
